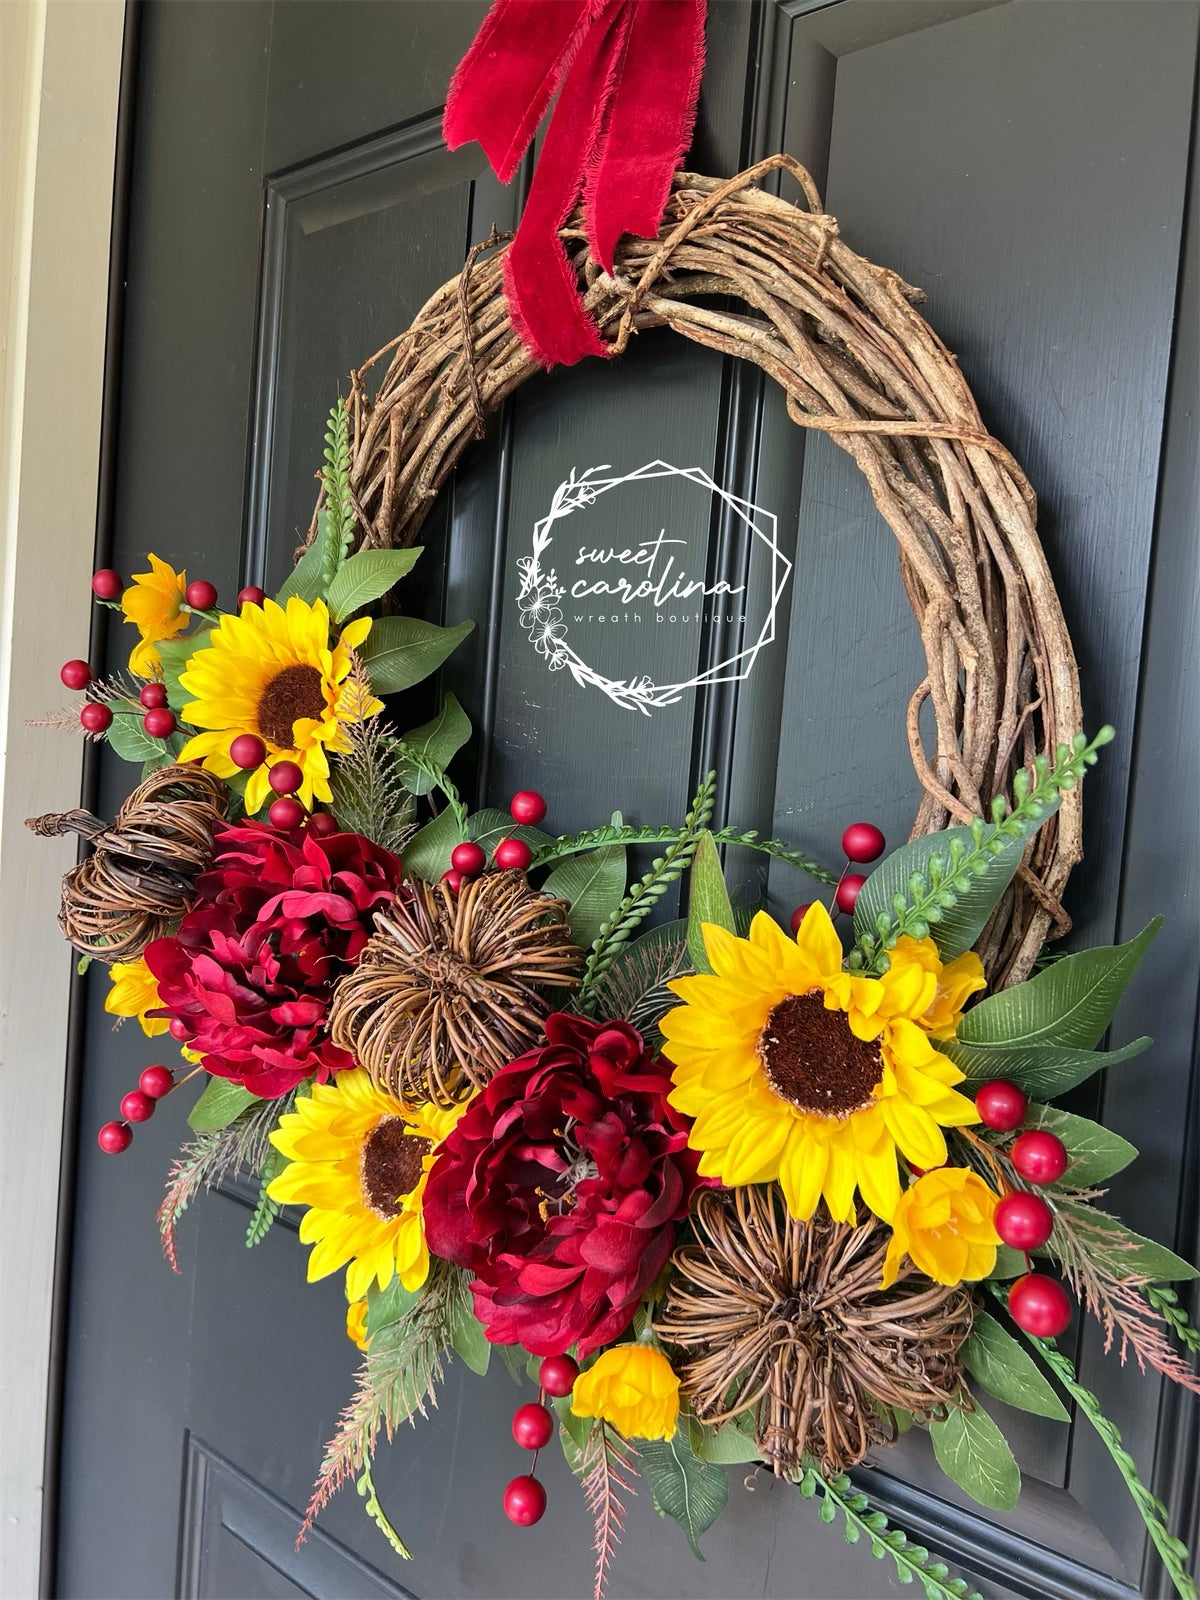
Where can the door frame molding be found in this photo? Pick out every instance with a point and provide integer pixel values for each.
(60, 76)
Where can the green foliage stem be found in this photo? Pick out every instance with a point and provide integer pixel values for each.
(1166, 1302)
(366, 1487)
(620, 833)
(339, 506)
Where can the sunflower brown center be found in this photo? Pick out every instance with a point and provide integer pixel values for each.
(813, 1061)
(390, 1165)
(293, 694)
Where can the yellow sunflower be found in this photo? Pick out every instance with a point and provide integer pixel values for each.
(154, 602)
(796, 1070)
(272, 672)
(134, 991)
(358, 1159)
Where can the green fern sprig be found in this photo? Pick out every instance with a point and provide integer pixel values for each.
(911, 1560)
(339, 504)
(1166, 1302)
(264, 1214)
(936, 889)
(620, 833)
(366, 1487)
(645, 894)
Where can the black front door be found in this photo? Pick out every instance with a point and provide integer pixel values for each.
(291, 207)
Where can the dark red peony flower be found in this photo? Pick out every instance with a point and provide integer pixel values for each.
(279, 918)
(561, 1186)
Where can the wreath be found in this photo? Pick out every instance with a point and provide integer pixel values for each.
(717, 1191)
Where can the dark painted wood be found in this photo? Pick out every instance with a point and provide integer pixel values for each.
(292, 206)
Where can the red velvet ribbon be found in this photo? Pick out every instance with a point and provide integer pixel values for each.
(627, 75)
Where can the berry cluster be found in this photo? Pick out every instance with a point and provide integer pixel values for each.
(533, 1428)
(137, 1106)
(862, 843)
(468, 860)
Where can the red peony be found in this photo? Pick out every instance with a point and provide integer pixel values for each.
(561, 1186)
(279, 918)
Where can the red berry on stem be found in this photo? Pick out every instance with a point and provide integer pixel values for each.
(1001, 1105)
(848, 891)
(106, 584)
(200, 595)
(156, 1080)
(75, 674)
(527, 806)
(115, 1137)
(159, 722)
(153, 695)
(95, 717)
(525, 1501)
(137, 1106)
(285, 777)
(468, 858)
(251, 595)
(1039, 1157)
(453, 879)
(557, 1375)
(247, 751)
(1024, 1221)
(512, 855)
(181, 1030)
(862, 841)
(1040, 1305)
(532, 1426)
(798, 916)
(286, 814)
(323, 823)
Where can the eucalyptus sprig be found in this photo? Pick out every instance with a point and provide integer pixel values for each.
(838, 1495)
(621, 833)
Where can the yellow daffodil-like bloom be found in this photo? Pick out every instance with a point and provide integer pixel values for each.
(154, 602)
(956, 982)
(634, 1387)
(793, 1069)
(134, 992)
(272, 672)
(944, 1223)
(356, 1322)
(358, 1159)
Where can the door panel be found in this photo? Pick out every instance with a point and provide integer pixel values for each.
(292, 208)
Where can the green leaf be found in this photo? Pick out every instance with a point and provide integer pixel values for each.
(708, 899)
(488, 826)
(400, 651)
(427, 853)
(1009, 1264)
(221, 1103)
(1006, 1369)
(971, 1450)
(1094, 1153)
(694, 1492)
(385, 1306)
(576, 1428)
(593, 886)
(1071, 1003)
(729, 1445)
(1123, 1253)
(367, 576)
(436, 743)
(132, 743)
(175, 655)
(306, 580)
(973, 898)
(467, 1337)
(1044, 1070)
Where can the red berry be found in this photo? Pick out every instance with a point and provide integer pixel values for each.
(532, 1426)
(557, 1375)
(153, 695)
(200, 595)
(525, 1501)
(251, 595)
(1001, 1105)
(286, 814)
(862, 841)
(247, 751)
(453, 879)
(1024, 1221)
(323, 823)
(1040, 1305)
(137, 1106)
(1039, 1157)
(527, 806)
(75, 674)
(513, 855)
(848, 891)
(107, 585)
(159, 722)
(798, 916)
(114, 1137)
(156, 1081)
(285, 777)
(181, 1030)
(468, 858)
(95, 717)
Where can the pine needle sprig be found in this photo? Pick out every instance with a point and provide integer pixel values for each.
(635, 989)
(397, 1382)
(244, 1146)
(370, 795)
(912, 1561)
(605, 1466)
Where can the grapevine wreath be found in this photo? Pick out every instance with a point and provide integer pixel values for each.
(719, 1191)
